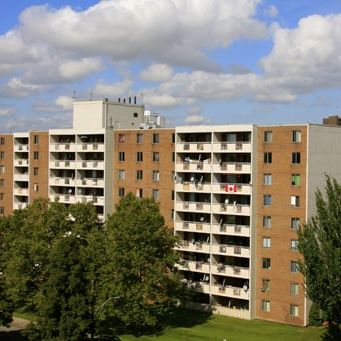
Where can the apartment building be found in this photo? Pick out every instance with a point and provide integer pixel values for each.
(241, 194)
(144, 165)
(234, 194)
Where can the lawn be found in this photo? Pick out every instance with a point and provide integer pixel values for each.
(189, 325)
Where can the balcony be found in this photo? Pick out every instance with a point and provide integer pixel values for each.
(232, 230)
(20, 205)
(231, 188)
(231, 167)
(56, 181)
(63, 198)
(21, 163)
(90, 164)
(194, 166)
(203, 287)
(193, 187)
(62, 147)
(20, 177)
(231, 250)
(90, 182)
(62, 164)
(194, 147)
(189, 206)
(230, 291)
(192, 226)
(90, 147)
(20, 191)
(21, 147)
(195, 246)
(188, 265)
(230, 271)
(96, 200)
(234, 209)
(232, 147)
(232, 312)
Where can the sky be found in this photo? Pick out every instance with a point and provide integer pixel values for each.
(193, 61)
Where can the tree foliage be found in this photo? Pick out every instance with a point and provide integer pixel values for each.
(320, 244)
(139, 276)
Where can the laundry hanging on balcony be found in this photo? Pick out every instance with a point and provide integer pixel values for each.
(231, 188)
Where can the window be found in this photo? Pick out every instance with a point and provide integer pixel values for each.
(2, 155)
(266, 221)
(139, 156)
(296, 136)
(266, 242)
(296, 158)
(35, 171)
(2, 182)
(267, 199)
(36, 139)
(293, 310)
(121, 138)
(295, 223)
(266, 305)
(156, 175)
(121, 192)
(294, 287)
(139, 138)
(173, 138)
(295, 201)
(156, 156)
(267, 136)
(36, 155)
(267, 179)
(2, 195)
(36, 187)
(139, 174)
(2, 210)
(136, 114)
(121, 156)
(155, 194)
(2, 140)
(121, 174)
(267, 157)
(296, 179)
(265, 285)
(139, 193)
(156, 138)
(173, 157)
(2, 169)
(173, 195)
(266, 263)
(294, 245)
(294, 267)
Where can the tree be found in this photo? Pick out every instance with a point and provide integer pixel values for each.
(140, 286)
(320, 245)
(6, 304)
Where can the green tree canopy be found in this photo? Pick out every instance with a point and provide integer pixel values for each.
(139, 279)
(320, 244)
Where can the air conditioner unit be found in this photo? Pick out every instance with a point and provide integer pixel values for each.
(222, 249)
(95, 146)
(67, 163)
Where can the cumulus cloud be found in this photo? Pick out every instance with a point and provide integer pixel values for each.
(103, 89)
(195, 119)
(271, 11)
(157, 73)
(16, 87)
(64, 102)
(75, 69)
(6, 111)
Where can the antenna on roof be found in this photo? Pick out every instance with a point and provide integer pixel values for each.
(74, 94)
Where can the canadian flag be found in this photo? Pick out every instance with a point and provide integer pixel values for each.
(231, 188)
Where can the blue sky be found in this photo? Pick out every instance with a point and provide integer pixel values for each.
(195, 61)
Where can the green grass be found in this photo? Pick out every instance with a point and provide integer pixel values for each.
(194, 326)
(24, 315)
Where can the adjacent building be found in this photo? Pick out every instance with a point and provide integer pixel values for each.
(235, 195)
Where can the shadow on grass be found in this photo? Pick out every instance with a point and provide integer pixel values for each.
(333, 333)
(12, 336)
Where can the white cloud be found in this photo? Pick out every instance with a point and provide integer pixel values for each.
(6, 112)
(75, 69)
(17, 88)
(271, 11)
(64, 102)
(157, 73)
(195, 119)
(102, 89)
